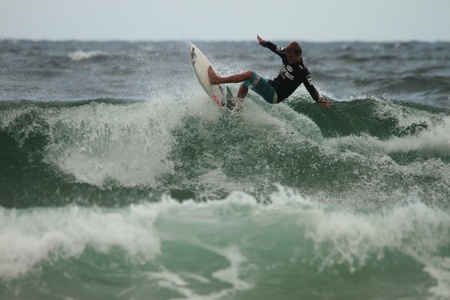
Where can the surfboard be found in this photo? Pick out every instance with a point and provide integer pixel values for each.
(220, 94)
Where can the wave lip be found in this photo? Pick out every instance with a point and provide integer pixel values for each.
(30, 237)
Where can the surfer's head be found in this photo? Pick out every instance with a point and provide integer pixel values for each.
(293, 52)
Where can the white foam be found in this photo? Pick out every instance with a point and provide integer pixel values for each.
(84, 55)
(174, 282)
(346, 237)
(28, 237)
(440, 270)
(435, 139)
(230, 275)
(101, 142)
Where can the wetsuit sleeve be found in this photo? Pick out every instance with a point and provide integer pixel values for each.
(311, 89)
(274, 48)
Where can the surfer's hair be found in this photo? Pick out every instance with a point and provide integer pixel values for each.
(295, 48)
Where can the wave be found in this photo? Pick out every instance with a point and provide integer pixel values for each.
(224, 247)
(191, 149)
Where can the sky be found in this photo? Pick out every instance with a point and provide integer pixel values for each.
(312, 20)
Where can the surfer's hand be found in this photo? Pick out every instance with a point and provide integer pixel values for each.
(324, 103)
(261, 41)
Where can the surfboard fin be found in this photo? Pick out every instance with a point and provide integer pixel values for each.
(233, 103)
(229, 94)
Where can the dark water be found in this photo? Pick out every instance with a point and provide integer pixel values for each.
(120, 179)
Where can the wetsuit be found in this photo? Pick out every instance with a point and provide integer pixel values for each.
(290, 76)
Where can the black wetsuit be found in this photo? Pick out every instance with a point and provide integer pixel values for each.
(290, 76)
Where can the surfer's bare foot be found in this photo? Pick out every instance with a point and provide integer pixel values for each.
(213, 77)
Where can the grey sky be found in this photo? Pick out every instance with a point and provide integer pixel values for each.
(313, 20)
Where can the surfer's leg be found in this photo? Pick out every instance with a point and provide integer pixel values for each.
(216, 79)
(262, 87)
(243, 90)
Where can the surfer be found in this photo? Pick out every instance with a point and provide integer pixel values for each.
(293, 73)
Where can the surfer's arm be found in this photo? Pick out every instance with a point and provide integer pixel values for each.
(311, 89)
(314, 93)
(268, 44)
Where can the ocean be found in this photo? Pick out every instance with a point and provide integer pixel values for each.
(121, 179)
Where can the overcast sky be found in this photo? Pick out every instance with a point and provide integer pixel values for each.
(312, 20)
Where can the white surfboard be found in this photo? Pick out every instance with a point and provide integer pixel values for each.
(218, 93)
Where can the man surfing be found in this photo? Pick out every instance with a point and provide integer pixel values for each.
(293, 73)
